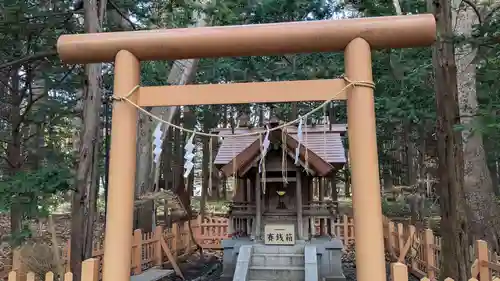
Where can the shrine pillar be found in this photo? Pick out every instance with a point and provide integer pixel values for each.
(298, 195)
(258, 206)
(118, 237)
(312, 219)
(321, 197)
(370, 257)
(248, 185)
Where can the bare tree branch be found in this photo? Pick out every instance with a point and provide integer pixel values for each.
(27, 138)
(5, 141)
(117, 9)
(33, 57)
(492, 11)
(8, 161)
(32, 101)
(476, 10)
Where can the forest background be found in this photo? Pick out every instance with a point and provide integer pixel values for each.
(437, 109)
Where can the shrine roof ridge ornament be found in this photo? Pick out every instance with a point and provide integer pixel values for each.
(250, 40)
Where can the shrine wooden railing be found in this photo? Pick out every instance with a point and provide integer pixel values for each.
(319, 208)
(420, 251)
(312, 208)
(417, 250)
(243, 208)
(211, 232)
(147, 249)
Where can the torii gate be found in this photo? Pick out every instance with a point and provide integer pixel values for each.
(357, 37)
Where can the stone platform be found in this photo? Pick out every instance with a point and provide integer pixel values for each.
(318, 259)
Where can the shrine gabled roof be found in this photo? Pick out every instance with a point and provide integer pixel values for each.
(325, 143)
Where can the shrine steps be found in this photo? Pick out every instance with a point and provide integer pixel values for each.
(291, 273)
(278, 260)
(314, 260)
(277, 263)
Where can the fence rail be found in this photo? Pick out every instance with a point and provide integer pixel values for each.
(414, 251)
(147, 247)
(420, 252)
(90, 272)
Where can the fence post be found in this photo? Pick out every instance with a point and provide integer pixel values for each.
(17, 265)
(198, 233)
(413, 241)
(30, 276)
(158, 234)
(137, 251)
(390, 239)
(90, 270)
(399, 272)
(199, 222)
(12, 276)
(49, 276)
(401, 242)
(345, 226)
(68, 257)
(483, 260)
(429, 257)
(68, 276)
(188, 236)
(175, 234)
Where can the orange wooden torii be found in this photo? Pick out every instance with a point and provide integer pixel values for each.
(357, 37)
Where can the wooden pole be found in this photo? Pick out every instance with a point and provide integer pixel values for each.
(258, 206)
(300, 218)
(483, 259)
(321, 197)
(367, 208)
(137, 251)
(158, 254)
(118, 236)
(429, 259)
(90, 270)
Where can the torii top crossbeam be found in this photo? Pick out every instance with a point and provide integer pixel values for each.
(250, 40)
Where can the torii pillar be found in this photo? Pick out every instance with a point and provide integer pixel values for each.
(362, 134)
(356, 36)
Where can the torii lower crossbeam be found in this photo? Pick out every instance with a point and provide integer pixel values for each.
(261, 92)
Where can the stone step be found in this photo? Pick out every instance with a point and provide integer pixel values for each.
(289, 273)
(278, 259)
(269, 249)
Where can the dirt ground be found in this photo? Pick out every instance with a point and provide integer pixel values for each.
(40, 234)
(207, 268)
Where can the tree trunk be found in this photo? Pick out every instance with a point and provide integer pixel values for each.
(177, 152)
(182, 73)
(494, 177)
(422, 171)
(85, 187)
(347, 177)
(14, 152)
(189, 123)
(484, 210)
(205, 171)
(411, 169)
(334, 192)
(454, 222)
(167, 153)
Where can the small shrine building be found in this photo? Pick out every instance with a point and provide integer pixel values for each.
(279, 190)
